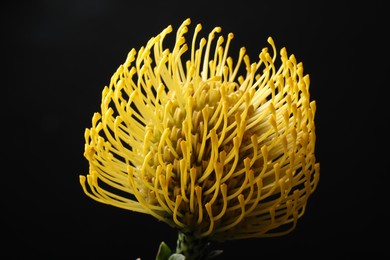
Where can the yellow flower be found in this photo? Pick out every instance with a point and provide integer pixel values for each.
(197, 145)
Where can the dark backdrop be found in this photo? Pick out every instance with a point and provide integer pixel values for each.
(58, 55)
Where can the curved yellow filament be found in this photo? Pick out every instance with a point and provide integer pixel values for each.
(211, 225)
(198, 192)
(224, 197)
(240, 217)
(175, 212)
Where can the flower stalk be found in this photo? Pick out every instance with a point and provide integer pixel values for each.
(191, 247)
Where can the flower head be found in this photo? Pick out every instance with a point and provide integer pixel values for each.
(201, 147)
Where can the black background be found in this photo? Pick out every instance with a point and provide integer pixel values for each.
(58, 55)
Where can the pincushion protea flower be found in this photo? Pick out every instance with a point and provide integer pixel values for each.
(215, 154)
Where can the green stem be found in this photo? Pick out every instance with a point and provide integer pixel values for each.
(191, 247)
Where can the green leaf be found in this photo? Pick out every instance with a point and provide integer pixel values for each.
(163, 252)
(176, 257)
(213, 254)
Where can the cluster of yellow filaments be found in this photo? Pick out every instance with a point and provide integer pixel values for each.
(200, 147)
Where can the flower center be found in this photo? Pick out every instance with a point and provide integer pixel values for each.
(199, 147)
